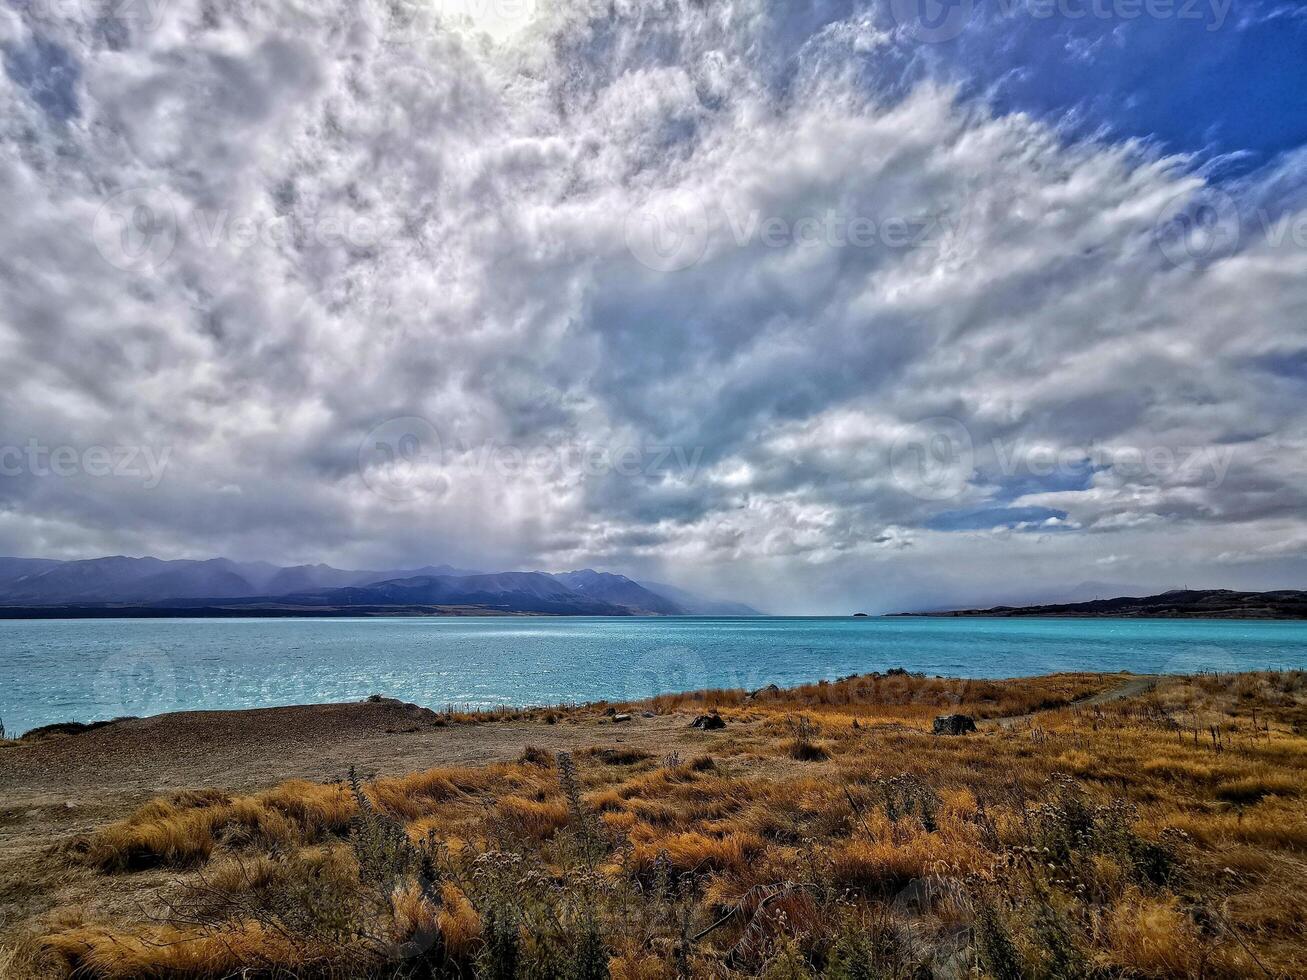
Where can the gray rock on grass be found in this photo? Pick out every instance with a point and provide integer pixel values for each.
(954, 725)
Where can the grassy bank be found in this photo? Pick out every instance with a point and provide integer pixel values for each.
(824, 832)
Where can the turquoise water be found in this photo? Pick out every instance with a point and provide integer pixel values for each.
(84, 670)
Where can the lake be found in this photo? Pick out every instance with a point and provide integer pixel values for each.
(86, 670)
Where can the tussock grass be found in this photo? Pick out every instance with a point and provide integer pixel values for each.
(691, 852)
(1153, 937)
(538, 820)
(899, 695)
(1162, 836)
(248, 949)
(1255, 787)
(184, 831)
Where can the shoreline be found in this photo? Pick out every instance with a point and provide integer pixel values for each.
(1160, 618)
(468, 713)
(264, 612)
(243, 748)
(72, 727)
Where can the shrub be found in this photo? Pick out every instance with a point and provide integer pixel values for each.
(803, 747)
(533, 755)
(994, 943)
(501, 947)
(1068, 832)
(908, 797)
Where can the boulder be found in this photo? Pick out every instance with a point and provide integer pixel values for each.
(621, 717)
(954, 725)
(708, 723)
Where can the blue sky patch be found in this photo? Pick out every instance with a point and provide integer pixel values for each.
(990, 517)
(1213, 77)
(48, 73)
(1023, 483)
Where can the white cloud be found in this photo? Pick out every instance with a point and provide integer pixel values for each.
(371, 226)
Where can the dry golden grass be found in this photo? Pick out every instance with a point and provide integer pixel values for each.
(1160, 836)
(1153, 936)
(538, 820)
(169, 952)
(693, 852)
(184, 831)
(460, 926)
(900, 696)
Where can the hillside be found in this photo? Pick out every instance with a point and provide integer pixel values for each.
(1178, 604)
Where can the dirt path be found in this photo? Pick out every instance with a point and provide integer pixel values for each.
(1130, 689)
(245, 750)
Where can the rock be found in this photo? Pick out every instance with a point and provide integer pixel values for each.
(708, 723)
(622, 717)
(769, 689)
(954, 725)
(648, 714)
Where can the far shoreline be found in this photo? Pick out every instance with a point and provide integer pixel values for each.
(1209, 604)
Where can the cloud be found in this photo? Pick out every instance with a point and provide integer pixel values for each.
(685, 289)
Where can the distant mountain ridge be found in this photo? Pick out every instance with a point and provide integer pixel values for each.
(120, 579)
(621, 591)
(46, 586)
(1177, 604)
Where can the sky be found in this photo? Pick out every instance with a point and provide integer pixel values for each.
(820, 305)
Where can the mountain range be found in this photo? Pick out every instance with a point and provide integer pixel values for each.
(46, 587)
